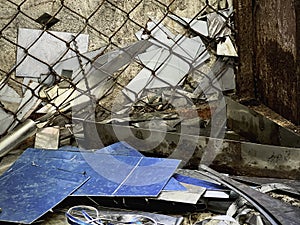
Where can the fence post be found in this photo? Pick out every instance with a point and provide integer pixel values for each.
(244, 40)
(275, 67)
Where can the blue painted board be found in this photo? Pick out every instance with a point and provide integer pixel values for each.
(31, 191)
(202, 183)
(174, 185)
(112, 172)
(148, 178)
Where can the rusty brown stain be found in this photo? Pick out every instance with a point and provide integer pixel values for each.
(245, 43)
(276, 73)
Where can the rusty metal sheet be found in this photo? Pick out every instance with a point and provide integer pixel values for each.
(257, 128)
(231, 156)
(275, 211)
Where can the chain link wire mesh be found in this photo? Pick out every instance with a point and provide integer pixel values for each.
(60, 57)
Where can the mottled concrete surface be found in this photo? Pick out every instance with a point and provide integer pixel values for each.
(107, 19)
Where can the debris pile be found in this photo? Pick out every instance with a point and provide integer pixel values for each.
(120, 172)
(176, 93)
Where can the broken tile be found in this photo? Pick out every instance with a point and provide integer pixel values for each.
(47, 138)
(46, 46)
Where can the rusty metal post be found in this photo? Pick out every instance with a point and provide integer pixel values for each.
(268, 43)
(276, 56)
(244, 40)
(297, 9)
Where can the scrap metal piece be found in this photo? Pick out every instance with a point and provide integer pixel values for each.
(47, 20)
(100, 72)
(198, 26)
(218, 220)
(217, 26)
(279, 187)
(22, 132)
(225, 47)
(29, 192)
(9, 98)
(191, 195)
(161, 36)
(255, 219)
(79, 214)
(46, 46)
(275, 211)
(257, 181)
(29, 103)
(257, 128)
(6, 119)
(47, 138)
(221, 77)
(216, 194)
(170, 65)
(72, 65)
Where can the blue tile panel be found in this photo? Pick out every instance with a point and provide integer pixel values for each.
(112, 172)
(30, 191)
(202, 183)
(174, 185)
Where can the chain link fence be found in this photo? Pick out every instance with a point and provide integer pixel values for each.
(142, 63)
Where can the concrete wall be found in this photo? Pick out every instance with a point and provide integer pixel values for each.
(73, 13)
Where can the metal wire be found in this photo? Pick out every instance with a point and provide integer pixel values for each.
(111, 26)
